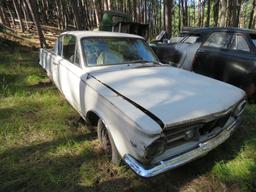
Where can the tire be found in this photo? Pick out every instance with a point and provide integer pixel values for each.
(107, 143)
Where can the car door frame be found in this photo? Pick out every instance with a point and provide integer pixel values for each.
(249, 56)
(55, 63)
(68, 69)
(216, 50)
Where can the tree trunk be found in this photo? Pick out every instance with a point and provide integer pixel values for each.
(254, 19)
(11, 15)
(237, 15)
(4, 17)
(164, 12)
(160, 17)
(129, 7)
(194, 13)
(134, 4)
(230, 12)
(184, 13)
(33, 9)
(145, 11)
(179, 26)
(105, 4)
(18, 13)
(25, 12)
(97, 14)
(243, 15)
(202, 14)
(207, 23)
(223, 12)
(216, 12)
(252, 14)
(58, 13)
(44, 11)
(199, 13)
(77, 13)
(168, 16)
(109, 5)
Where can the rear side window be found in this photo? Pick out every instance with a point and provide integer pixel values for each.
(239, 43)
(254, 41)
(218, 40)
(69, 45)
(59, 43)
(253, 37)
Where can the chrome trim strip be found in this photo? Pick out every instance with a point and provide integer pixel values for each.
(166, 165)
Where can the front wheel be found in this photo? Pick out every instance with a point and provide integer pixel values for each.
(107, 143)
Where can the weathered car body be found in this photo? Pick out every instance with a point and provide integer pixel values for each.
(158, 116)
(226, 54)
(115, 21)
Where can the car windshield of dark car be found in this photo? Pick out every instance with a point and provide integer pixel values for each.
(114, 50)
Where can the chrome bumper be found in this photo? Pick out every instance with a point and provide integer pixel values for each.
(166, 165)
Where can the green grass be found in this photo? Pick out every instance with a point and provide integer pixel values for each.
(44, 146)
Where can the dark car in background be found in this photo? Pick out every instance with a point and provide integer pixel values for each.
(226, 54)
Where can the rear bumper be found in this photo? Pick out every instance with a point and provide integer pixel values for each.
(163, 166)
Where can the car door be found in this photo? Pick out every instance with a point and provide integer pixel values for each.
(213, 55)
(56, 57)
(70, 71)
(242, 63)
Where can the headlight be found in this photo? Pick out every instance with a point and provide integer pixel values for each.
(240, 108)
(156, 148)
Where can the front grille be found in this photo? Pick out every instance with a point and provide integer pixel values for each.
(177, 135)
(209, 126)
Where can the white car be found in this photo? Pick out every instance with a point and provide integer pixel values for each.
(152, 116)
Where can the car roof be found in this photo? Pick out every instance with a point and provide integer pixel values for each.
(217, 29)
(82, 34)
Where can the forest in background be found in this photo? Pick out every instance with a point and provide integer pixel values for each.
(168, 15)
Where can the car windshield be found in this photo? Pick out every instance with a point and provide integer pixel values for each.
(114, 50)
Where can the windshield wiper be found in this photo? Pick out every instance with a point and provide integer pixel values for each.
(141, 61)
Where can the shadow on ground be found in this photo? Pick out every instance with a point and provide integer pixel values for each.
(29, 168)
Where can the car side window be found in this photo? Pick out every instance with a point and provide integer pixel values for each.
(218, 40)
(59, 44)
(55, 48)
(239, 43)
(69, 45)
(77, 58)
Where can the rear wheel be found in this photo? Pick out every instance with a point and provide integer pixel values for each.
(107, 143)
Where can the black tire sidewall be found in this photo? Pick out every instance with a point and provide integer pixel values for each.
(115, 156)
